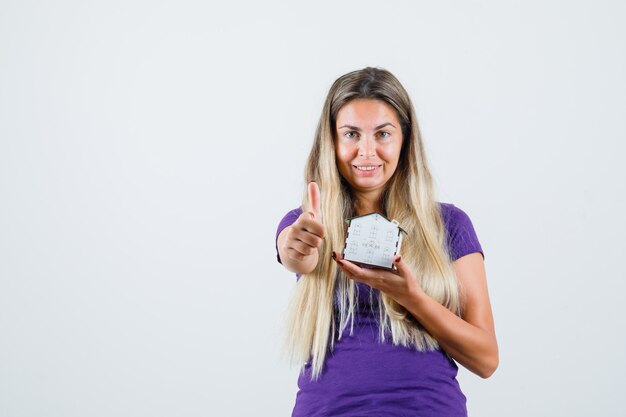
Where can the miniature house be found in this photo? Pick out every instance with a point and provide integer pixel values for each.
(372, 240)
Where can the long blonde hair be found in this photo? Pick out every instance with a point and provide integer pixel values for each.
(324, 300)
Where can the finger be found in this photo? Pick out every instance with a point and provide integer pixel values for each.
(307, 224)
(337, 255)
(302, 248)
(403, 268)
(309, 239)
(293, 254)
(351, 270)
(315, 201)
(344, 268)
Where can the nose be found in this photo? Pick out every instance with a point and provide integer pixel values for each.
(367, 146)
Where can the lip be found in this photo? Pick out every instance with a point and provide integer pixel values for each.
(369, 173)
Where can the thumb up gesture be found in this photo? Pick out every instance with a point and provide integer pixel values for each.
(298, 244)
(314, 200)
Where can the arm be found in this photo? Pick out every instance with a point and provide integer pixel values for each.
(469, 339)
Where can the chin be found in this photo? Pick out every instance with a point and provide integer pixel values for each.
(367, 186)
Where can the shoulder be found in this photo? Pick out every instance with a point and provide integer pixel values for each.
(288, 219)
(452, 215)
(461, 235)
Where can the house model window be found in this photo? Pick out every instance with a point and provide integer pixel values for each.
(372, 240)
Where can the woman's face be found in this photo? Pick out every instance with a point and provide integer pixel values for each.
(368, 143)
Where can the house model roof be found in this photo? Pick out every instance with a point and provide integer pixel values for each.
(372, 240)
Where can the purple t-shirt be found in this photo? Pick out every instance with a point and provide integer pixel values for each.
(364, 377)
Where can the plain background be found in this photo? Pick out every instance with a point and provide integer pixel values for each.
(148, 150)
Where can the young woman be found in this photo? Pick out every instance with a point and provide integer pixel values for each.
(372, 341)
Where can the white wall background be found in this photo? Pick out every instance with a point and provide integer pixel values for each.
(148, 150)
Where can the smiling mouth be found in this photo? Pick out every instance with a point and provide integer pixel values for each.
(366, 168)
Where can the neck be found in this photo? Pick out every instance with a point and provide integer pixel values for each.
(368, 202)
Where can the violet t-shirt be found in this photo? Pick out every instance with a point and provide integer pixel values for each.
(365, 377)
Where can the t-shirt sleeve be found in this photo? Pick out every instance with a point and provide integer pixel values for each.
(461, 236)
(287, 220)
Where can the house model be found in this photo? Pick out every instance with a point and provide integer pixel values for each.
(372, 240)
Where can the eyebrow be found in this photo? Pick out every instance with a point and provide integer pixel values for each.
(376, 128)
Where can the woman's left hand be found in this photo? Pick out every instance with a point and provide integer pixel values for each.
(400, 284)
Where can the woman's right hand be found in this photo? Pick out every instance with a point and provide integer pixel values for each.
(298, 244)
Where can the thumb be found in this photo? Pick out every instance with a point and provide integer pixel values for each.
(314, 201)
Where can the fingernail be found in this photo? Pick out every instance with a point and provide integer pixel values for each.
(399, 259)
(334, 255)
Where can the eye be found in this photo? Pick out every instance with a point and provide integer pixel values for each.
(384, 134)
(351, 135)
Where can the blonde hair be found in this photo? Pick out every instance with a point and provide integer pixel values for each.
(324, 300)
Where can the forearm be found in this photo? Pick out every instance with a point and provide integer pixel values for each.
(473, 347)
